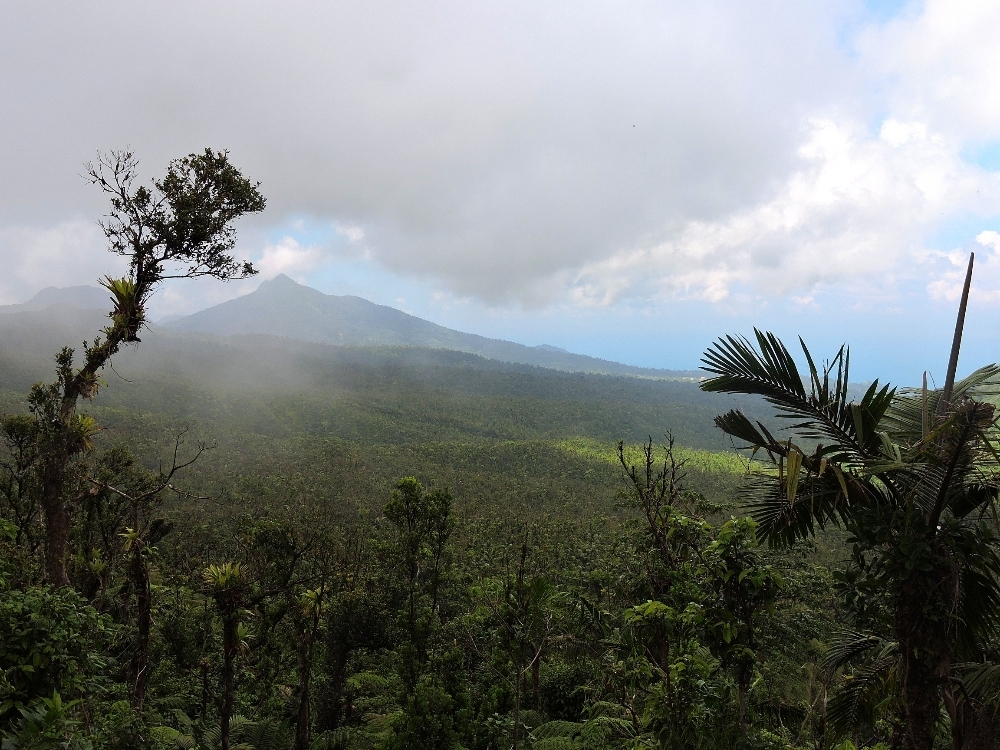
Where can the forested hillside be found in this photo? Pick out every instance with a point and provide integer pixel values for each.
(431, 413)
(250, 541)
(306, 447)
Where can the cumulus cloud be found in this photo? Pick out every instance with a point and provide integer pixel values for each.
(489, 146)
(855, 210)
(986, 271)
(941, 63)
(526, 152)
(286, 256)
(289, 257)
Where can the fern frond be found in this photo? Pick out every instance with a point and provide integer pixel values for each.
(368, 682)
(557, 729)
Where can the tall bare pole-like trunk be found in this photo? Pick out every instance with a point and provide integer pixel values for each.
(307, 640)
(956, 343)
(302, 718)
(138, 575)
(925, 640)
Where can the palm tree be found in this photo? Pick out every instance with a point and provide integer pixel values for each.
(913, 476)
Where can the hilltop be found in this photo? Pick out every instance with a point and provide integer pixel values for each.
(282, 307)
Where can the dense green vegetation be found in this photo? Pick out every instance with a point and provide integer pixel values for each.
(251, 542)
(306, 459)
(528, 512)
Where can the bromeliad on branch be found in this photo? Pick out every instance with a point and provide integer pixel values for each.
(180, 227)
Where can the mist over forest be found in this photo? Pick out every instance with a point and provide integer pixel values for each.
(511, 376)
(310, 525)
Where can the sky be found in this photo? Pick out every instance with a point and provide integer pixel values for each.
(629, 180)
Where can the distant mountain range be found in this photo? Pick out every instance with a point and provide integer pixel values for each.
(82, 297)
(282, 307)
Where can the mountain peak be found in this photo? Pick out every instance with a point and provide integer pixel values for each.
(282, 279)
(282, 284)
(283, 307)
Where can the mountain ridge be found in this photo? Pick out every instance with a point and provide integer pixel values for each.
(282, 307)
(84, 297)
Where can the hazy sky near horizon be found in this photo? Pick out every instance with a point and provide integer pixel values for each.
(628, 180)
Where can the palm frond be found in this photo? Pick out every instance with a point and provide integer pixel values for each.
(740, 368)
(981, 681)
(824, 412)
(905, 420)
(862, 697)
(979, 605)
(737, 424)
(982, 383)
(783, 518)
(958, 452)
(972, 497)
(848, 645)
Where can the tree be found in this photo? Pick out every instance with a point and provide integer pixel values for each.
(912, 476)
(674, 535)
(307, 617)
(178, 228)
(357, 616)
(142, 495)
(424, 525)
(431, 702)
(227, 584)
(660, 648)
(18, 493)
(525, 611)
(744, 587)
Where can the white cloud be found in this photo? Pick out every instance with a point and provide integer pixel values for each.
(989, 239)
(488, 146)
(353, 233)
(70, 253)
(288, 257)
(855, 211)
(523, 152)
(985, 276)
(942, 65)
